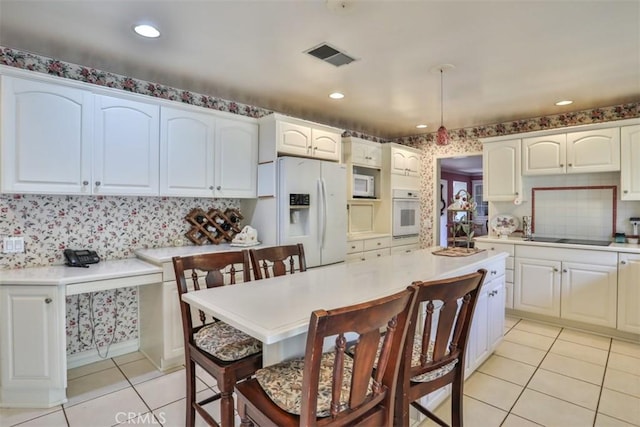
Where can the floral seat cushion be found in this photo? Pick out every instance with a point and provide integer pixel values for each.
(283, 384)
(226, 342)
(415, 361)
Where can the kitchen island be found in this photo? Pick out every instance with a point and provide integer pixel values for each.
(276, 311)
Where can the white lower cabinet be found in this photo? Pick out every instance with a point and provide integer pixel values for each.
(577, 285)
(629, 292)
(161, 338)
(368, 248)
(487, 327)
(508, 272)
(32, 342)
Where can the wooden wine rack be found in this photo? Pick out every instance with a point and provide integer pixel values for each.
(213, 226)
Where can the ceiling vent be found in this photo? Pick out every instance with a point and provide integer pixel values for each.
(331, 55)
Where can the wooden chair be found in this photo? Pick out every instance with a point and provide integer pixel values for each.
(225, 353)
(329, 389)
(271, 260)
(435, 356)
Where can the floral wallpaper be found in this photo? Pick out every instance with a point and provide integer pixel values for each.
(115, 226)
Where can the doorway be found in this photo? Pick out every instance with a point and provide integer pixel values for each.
(453, 174)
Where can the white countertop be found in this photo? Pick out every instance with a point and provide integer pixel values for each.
(364, 236)
(278, 308)
(159, 256)
(613, 247)
(62, 275)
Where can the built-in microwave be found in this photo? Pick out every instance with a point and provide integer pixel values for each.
(364, 186)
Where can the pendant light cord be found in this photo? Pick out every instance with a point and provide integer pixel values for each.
(441, 99)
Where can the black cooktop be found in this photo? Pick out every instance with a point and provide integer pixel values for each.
(570, 241)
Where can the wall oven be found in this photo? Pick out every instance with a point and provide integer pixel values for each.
(405, 213)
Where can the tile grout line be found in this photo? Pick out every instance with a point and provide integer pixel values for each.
(530, 378)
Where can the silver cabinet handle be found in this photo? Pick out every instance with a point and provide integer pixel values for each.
(494, 272)
(561, 165)
(218, 188)
(623, 262)
(564, 270)
(570, 165)
(48, 300)
(353, 247)
(625, 191)
(379, 243)
(211, 187)
(555, 269)
(85, 182)
(98, 183)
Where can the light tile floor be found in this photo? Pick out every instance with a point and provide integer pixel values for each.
(539, 375)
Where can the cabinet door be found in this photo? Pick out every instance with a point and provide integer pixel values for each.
(236, 158)
(413, 163)
(126, 147)
(496, 307)
(629, 293)
(593, 151)
(326, 145)
(537, 286)
(478, 345)
(501, 166)
(365, 153)
(294, 139)
(630, 159)
(32, 344)
(589, 293)
(544, 155)
(404, 162)
(186, 153)
(173, 342)
(47, 131)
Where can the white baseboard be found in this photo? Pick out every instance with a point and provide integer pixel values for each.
(117, 349)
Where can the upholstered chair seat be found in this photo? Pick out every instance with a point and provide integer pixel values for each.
(226, 342)
(283, 384)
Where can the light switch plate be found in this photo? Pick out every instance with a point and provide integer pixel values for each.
(7, 247)
(18, 244)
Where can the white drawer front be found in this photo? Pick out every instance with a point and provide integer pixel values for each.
(377, 254)
(355, 246)
(382, 242)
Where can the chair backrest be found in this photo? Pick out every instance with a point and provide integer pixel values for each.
(207, 271)
(272, 261)
(371, 391)
(450, 304)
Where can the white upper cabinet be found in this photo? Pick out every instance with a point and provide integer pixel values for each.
(593, 151)
(47, 132)
(544, 155)
(126, 147)
(575, 152)
(186, 153)
(405, 161)
(630, 159)
(204, 155)
(294, 137)
(236, 158)
(501, 171)
(362, 152)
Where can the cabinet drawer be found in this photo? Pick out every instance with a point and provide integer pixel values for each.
(500, 247)
(355, 246)
(379, 243)
(377, 253)
(404, 248)
(495, 269)
(354, 257)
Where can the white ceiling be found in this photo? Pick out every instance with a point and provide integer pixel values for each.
(513, 59)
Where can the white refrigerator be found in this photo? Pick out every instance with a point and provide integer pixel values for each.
(312, 208)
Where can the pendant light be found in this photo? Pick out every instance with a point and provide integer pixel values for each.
(442, 136)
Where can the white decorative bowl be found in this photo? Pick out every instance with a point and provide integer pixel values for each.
(504, 224)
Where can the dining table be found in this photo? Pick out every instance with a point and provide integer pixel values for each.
(276, 310)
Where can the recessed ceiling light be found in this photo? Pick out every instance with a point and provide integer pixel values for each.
(146, 30)
(565, 102)
(336, 95)
(421, 126)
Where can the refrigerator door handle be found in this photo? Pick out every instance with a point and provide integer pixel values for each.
(323, 210)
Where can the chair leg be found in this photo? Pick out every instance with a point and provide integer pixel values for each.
(456, 401)
(226, 405)
(191, 394)
(242, 411)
